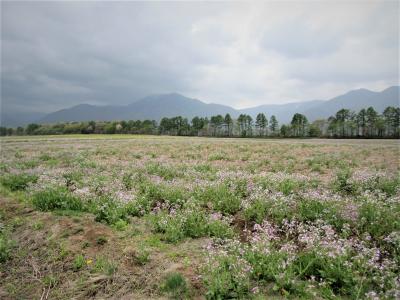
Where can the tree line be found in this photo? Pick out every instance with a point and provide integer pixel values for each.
(367, 123)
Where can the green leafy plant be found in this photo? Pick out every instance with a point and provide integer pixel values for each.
(78, 263)
(18, 182)
(6, 245)
(56, 198)
(175, 284)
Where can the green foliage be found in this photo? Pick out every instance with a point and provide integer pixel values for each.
(45, 157)
(72, 178)
(218, 156)
(6, 246)
(188, 222)
(279, 211)
(220, 197)
(57, 198)
(127, 180)
(343, 184)
(204, 168)
(378, 219)
(17, 182)
(105, 266)
(334, 271)
(256, 211)
(261, 208)
(310, 210)
(101, 240)
(220, 229)
(287, 186)
(139, 207)
(175, 284)
(27, 164)
(389, 186)
(38, 225)
(120, 225)
(343, 123)
(142, 256)
(78, 263)
(108, 210)
(166, 172)
(50, 280)
(227, 279)
(150, 193)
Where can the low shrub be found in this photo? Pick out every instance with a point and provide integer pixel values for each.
(120, 225)
(78, 263)
(390, 186)
(220, 197)
(127, 181)
(108, 210)
(101, 240)
(6, 245)
(378, 219)
(175, 285)
(227, 277)
(312, 264)
(166, 172)
(142, 256)
(310, 210)
(18, 182)
(191, 223)
(105, 266)
(288, 186)
(72, 178)
(56, 199)
(151, 193)
(220, 229)
(343, 184)
(256, 211)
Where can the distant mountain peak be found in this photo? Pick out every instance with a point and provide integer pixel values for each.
(156, 106)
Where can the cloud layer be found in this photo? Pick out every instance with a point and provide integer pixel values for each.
(56, 55)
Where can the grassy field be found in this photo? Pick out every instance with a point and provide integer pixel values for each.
(150, 217)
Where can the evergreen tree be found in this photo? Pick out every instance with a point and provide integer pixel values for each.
(273, 124)
(228, 123)
(261, 123)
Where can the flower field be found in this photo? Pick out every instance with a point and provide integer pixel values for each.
(150, 217)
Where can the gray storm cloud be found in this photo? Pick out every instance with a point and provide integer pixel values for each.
(55, 55)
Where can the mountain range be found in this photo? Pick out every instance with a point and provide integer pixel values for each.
(155, 107)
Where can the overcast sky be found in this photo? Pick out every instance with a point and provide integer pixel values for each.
(55, 55)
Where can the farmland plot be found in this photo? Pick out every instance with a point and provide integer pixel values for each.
(141, 217)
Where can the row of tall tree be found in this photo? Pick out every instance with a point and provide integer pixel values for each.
(367, 123)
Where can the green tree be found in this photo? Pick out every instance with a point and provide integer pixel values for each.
(228, 123)
(261, 124)
(20, 130)
(362, 121)
(165, 126)
(31, 128)
(241, 121)
(273, 124)
(316, 128)
(285, 131)
(3, 131)
(249, 125)
(299, 125)
(391, 118)
(372, 117)
(342, 116)
(110, 128)
(216, 123)
(197, 124)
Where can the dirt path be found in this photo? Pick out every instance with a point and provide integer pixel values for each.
(70, 256)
